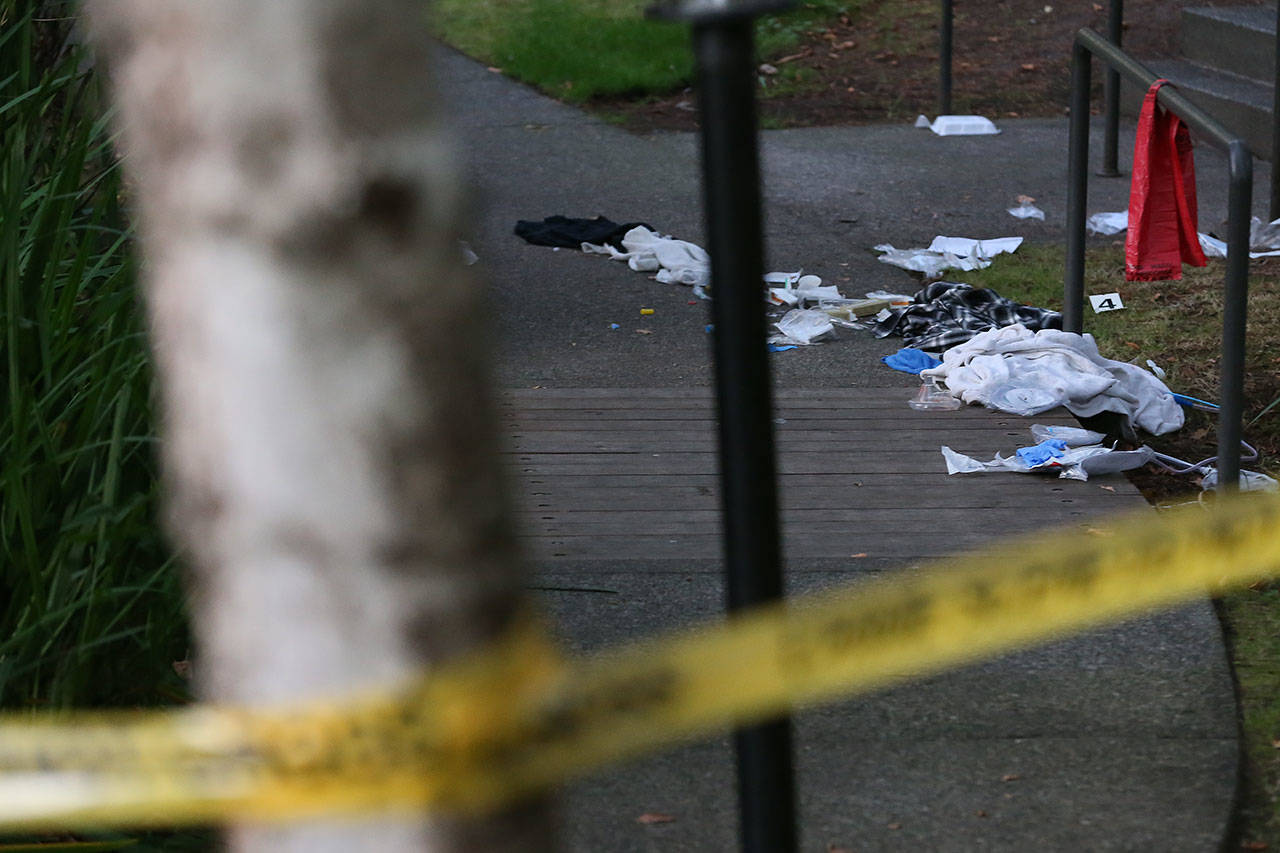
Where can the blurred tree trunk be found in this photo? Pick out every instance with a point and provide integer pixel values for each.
(328, 438)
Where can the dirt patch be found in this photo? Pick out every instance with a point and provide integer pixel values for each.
(1011, 59)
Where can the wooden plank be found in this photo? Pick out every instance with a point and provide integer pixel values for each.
(965, 414)
(835, 462)
(878, 425)
(631, 474)
(525, 395)
(874, 497)
(797, 545)
(559, 443)
(911, 481)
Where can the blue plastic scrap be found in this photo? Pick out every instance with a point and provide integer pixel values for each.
(910, 360)
(780, 347)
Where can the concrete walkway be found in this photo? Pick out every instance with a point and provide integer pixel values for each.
(1122, 739)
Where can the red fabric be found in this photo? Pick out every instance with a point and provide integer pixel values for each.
(1162, 197)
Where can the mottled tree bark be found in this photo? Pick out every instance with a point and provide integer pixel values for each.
(328, 436)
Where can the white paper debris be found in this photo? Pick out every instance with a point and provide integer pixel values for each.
(1212, 246)
(804, 327)
(784, 296)
(786, 279)
(1250, 481)
(891, 298)
(1264, 235)
(1026, 211)
(1107, 224)
(963, 126)
(1215, 248)
(931, 264)
(1072, 436)
(968, 247)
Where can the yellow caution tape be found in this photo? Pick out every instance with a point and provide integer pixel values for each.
(519, 717)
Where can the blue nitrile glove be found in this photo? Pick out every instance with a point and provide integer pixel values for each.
(1038, 454)
(910, 360)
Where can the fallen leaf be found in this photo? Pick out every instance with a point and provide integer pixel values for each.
(982, 813)
(895, 825)
(495, 69)
(655, 817)
(1108, 488)
(1253, 845)
(993, 39)
(1010, 777)
(1275, 743)
(183, 669)
(1030, 66)
(1025, 199)
(836, 848)
(859, 555)
(1131, 345)
(1097, 7)
(644, 331)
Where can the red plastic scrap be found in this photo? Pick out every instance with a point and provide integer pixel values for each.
(1162, 197)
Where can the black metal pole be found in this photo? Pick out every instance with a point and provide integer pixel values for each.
(1111, 96)
(1275, 129)
(725, 58)
(1077, 189)
(1234, 313)
(944, 60)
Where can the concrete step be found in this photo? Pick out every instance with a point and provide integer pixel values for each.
(1237, 39)
(1241, 104)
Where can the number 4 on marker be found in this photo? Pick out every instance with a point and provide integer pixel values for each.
(1105, 302)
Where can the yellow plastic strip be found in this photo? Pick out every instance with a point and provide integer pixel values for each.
(519, 718)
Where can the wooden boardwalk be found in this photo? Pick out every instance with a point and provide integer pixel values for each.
(624, 474)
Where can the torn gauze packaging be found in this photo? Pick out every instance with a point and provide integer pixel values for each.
(1162, 197)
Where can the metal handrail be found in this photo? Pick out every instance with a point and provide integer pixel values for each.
(1274, 209)
(944, 60)
(1111, 97)
(1087, 45)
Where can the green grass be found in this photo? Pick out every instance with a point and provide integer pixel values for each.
(90, 608)
(581, 49)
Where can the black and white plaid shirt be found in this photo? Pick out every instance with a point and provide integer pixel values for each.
(946, 313)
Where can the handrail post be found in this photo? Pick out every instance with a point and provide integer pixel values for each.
(724, 54)
(1077, 189)
(944, 59)
(1234, 316)
(1274, 209)
(1111, 96)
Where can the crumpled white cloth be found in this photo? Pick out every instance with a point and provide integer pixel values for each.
(1016, 370)
(673, 260)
